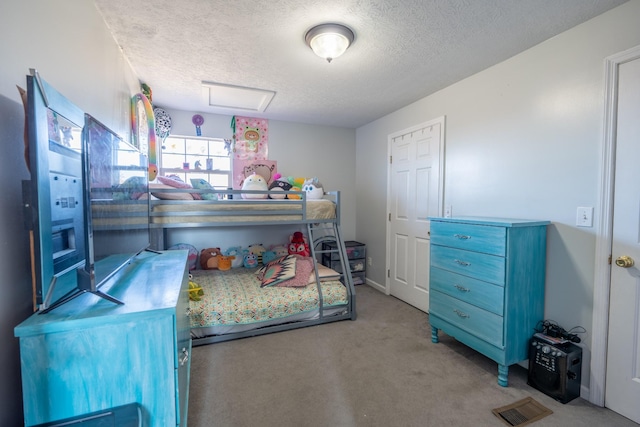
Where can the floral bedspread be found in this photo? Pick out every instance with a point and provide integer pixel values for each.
(234, 297)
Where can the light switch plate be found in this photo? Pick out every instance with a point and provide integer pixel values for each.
(584, 216)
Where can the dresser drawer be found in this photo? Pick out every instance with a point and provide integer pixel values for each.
(476, 292)
(483, 324)
(472, 237)
(488, 268)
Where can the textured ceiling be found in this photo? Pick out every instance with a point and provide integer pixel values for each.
(404, 49)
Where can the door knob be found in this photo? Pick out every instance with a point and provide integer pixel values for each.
(624, 261)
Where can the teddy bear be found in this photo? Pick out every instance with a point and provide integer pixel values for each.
(209, 258)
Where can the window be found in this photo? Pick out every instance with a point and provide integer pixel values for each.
(197, 158)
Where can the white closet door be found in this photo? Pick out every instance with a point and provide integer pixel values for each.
(622, 393)
(414, 195)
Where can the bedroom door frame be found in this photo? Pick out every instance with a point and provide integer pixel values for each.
(441, 121)
(604, 231)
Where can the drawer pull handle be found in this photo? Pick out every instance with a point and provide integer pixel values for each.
(461, 314)
(461, 288)
(462, 236)
(184, 357)
(462, 263)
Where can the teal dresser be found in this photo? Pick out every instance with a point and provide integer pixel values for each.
(486, 279)
(89, 354)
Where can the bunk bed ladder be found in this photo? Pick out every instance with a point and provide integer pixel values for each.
(330, 233)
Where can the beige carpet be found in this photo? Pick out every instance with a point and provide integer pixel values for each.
(380, 370)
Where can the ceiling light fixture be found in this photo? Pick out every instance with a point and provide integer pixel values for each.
(329, 41)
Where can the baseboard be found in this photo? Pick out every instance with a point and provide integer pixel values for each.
(376, 286)
(584, 392)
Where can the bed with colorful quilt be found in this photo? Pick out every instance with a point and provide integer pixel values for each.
(286, 293)
(237, 303)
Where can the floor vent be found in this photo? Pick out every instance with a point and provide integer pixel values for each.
(522, 412)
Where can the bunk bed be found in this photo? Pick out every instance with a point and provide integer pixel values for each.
(234, 304)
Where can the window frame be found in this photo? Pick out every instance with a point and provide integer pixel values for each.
(186, 174)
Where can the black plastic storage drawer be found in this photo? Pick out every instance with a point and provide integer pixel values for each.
(354, 265)
(359, 278)
(355, 250)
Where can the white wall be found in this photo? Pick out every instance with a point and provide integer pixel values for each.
(69, 44)
(523, 140)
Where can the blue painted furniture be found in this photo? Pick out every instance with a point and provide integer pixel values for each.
(486, 283)
(90, 354)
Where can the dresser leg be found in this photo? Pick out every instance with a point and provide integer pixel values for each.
(434, 335)
(503, 373)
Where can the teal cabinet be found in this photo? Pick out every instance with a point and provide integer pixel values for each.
(90, 354)
(486, 279)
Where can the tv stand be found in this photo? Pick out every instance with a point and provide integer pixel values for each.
(76, 293)
(85, 283)
(89, 355)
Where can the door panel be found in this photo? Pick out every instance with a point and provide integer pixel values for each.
(622, 392)
(415, 195)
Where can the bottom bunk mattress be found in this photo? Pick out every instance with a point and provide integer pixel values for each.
(233, 301)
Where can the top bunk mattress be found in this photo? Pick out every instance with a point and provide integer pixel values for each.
(188, 213)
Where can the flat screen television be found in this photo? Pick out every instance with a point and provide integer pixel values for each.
(116, 189)
(53, 196)
(86, 203)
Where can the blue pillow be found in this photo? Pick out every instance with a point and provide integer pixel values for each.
(201, 184)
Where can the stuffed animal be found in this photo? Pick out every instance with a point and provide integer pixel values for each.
(254, 182)
(209, 258)
(313, 188)
(195, 291)
(279, 184)
(280, 250)
(268, 256)
(358, 266)
(250, 260)
(299, 245)
(224, 262)
(238, 255)
(258, 250)
(274, 252)
(296, 185)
